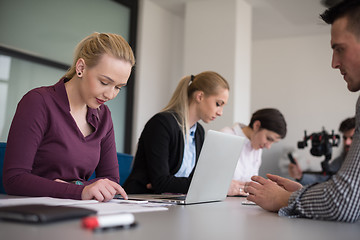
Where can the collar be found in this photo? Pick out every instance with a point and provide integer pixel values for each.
(60, 91)
(192, 130)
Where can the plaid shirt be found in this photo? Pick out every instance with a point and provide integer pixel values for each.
(338, 199)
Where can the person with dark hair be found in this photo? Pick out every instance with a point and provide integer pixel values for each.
(337, 199)
(347, 128)
(266, 127)
(170, 143)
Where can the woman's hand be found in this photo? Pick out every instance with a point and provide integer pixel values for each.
(102, 190)
(236, 189)
(295, 170)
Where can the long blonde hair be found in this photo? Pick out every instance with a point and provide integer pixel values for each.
(208, 82)
(92, 47)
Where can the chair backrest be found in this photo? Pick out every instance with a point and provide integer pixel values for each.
(125, 166)
(2, 156)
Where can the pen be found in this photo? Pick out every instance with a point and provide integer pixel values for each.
(108, 221)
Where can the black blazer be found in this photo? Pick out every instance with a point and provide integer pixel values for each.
(159, 156)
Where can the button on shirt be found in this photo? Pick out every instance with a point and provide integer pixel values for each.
(188, 162)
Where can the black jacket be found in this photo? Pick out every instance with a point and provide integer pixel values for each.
(159, 157)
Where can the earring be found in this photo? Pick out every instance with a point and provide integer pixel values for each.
(79, 74)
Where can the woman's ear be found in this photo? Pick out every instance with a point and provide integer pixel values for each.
(199, 96)
(256, 125)
(80, 66)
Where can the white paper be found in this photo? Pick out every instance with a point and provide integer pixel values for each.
(128, 201)
(112, 207)
(42, 200)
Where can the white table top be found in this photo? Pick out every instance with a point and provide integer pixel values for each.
(219, 220)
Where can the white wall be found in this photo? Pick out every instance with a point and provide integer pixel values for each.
(159, 62)
(291, 74)
(218, 38)
(295, 75)
(206, 37)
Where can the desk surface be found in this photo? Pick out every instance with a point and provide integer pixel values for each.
(220, 220)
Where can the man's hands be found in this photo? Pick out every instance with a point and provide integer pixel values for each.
(271, 194)
(102, 190)
(287, 184)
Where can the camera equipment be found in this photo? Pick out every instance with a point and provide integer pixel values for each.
(321, 144)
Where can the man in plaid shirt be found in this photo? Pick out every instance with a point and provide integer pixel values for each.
(337, 199)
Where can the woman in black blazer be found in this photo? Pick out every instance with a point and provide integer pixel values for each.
(170, 143)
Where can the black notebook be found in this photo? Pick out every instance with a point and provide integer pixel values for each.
(38, 213)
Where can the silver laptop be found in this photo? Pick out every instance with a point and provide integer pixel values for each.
(213, 174)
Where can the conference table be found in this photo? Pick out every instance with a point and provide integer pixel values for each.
(228, 219)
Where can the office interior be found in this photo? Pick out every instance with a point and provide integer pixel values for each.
(274, 53)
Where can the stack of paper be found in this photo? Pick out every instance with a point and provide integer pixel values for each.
(112, 207)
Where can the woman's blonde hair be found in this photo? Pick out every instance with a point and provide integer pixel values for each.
(94, 46)
(208, 82)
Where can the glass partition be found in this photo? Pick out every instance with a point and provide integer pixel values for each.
(49, 30)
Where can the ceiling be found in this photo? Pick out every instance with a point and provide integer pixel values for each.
(273, 18)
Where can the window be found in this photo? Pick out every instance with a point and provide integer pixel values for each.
(36, 48)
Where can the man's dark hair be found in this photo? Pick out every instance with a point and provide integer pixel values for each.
(348, 8)
(270, 119)
(347, 124)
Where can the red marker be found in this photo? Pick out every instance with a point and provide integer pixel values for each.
(109, 221)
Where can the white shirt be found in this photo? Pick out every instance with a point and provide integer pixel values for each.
(250, 159)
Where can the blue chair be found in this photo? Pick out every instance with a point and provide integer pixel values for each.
(125, 166)
(2, 156)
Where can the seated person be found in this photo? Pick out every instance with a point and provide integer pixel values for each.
(266, 127)
(61, 134)
(170, 144)
(337, 199)
(347, 128)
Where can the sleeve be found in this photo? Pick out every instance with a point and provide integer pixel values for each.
(25, 136)
(108, 166)
(257, 162)
(337, 199)
(158, 137)
(335, 165)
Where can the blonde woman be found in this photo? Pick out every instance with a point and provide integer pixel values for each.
(171, 141)
(61, 134)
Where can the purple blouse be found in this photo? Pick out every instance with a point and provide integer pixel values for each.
(45, 144)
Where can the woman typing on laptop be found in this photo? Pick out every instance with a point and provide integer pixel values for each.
(60, 134)
(266, 127)
(170, 143)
